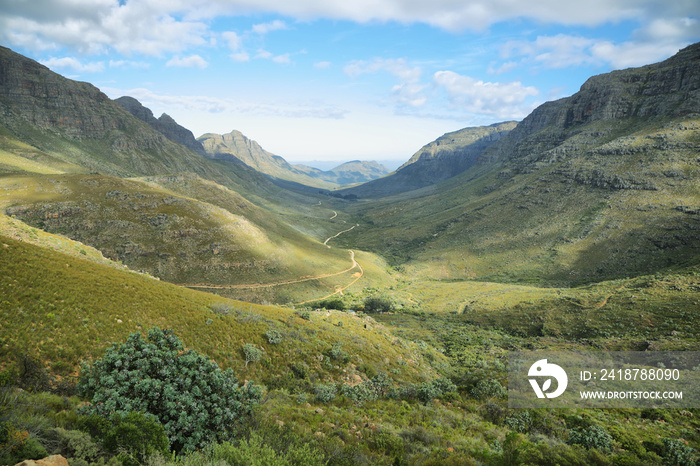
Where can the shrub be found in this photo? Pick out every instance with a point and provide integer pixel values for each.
(336, 353)
(594, 436)
(520, 423)
(195, 401)
(135, 437)
(332, 303)
(77, 445)
(325, 393)
(33, 377)
(491, 388)
(274, 337)
(376, 304)
(678, 453)
(252, 354)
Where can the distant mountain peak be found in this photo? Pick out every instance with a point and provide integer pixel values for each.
(235, 145)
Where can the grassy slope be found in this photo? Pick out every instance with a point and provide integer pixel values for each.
(220, 240)
(551, 224)
(66, 309)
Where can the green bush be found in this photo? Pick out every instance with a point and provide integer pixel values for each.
(77, 445)
(325, 393)
(594, 436)
(135, 437)
(195, 401)
(677, 453)
(331, 303)
(252, 353)
(491, 388)
(337, 354)
(274, 337)
(377, 304)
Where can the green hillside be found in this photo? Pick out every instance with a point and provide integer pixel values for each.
(566, 197)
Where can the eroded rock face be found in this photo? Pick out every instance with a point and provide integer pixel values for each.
(50, 101)
(165, 125)
(669, 89)
(53, 460)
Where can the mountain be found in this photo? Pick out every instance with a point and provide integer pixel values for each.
(236, 146)
(75, 163)
(356, 171)
(164, 124)
(437, 161)
(602, 184)
(73, 125)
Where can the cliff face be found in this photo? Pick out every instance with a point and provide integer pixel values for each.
(46, 99)
(605, 103)
(165, 125)
(82, 126)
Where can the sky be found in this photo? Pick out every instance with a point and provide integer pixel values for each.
(338, 80)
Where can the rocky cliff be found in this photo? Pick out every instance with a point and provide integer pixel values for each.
(31, 91)
(80, 125)
(165, 124)
(605, 103)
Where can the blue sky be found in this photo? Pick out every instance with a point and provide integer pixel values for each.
(339, 80)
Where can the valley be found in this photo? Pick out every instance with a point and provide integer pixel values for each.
(375, 311)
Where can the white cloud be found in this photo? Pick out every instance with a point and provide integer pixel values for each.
(193, 61)
(398, 67)
(282, 59)
(288, 109)
(157, 27)
(240, 56)
(264, 28)
(74, 64)
(322, 65)
(128, 64)
(501, 100)
(232, 39)
(408, 92)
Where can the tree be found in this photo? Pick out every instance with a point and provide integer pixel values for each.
(195, 401)
(376, 304)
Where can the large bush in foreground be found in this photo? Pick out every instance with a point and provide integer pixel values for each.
(195, 401)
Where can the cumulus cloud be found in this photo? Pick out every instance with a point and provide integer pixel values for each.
(232, 39)
(193, 61)
(408, 92)
(157, 27)
(74, 64)
(654, 41)
(322, 65)
(264, 28)
(501, 100)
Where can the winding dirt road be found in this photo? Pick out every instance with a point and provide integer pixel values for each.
(339, 289)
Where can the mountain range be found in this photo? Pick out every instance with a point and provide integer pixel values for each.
(577, 228)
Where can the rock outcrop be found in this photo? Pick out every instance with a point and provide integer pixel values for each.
(48, 100)
(53, 460)
(83, 127)
(165, 124)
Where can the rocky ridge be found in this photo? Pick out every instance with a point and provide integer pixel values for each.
(235, 146)
(165, 124)
(79, 124)
(447, 156)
